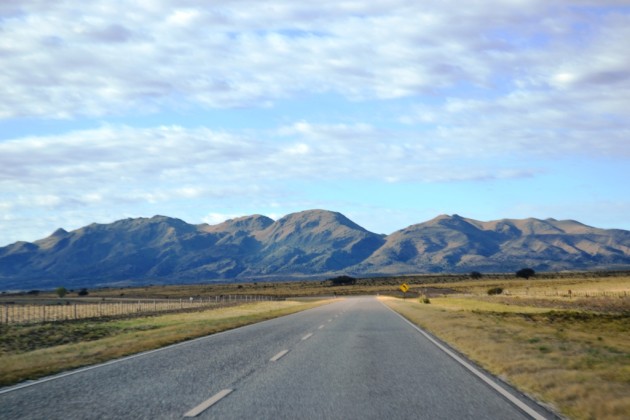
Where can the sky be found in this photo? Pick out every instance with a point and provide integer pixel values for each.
(390, 112)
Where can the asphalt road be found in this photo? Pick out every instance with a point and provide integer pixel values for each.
(353, 359)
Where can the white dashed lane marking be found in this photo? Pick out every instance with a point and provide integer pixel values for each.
(278, 356)
(208, 403)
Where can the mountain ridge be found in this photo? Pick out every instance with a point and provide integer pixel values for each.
(310, 243)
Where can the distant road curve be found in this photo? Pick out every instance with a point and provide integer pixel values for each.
(353, 359)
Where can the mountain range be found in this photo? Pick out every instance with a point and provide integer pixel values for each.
(307, 244)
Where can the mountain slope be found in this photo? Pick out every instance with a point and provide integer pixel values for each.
(454, 243)
(309, 243)
(314, 241)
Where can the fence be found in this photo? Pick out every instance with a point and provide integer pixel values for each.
(12, 313)
(570, 293)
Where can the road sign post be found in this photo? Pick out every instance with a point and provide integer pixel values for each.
(404, 288)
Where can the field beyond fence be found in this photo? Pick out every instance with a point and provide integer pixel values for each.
(569, 293)
(32, 313)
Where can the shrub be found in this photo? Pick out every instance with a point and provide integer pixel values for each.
(495, 291)
(425, 300)
(525, 273)
(337, 281)
(83, 292)
(475, 275)
(61, 291)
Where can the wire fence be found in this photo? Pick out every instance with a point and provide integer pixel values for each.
(570, 293)
(30, 313)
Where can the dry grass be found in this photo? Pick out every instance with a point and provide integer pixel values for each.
(571, 352)
(97, 308)
(547, 287)
(467, 304)
(577, 361)
(30, 352)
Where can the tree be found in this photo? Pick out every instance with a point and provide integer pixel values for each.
(338, 281)
(83, 292)
(525, 273)
(475, 275)
(61, 291)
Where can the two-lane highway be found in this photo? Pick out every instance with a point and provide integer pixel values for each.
(347, 360)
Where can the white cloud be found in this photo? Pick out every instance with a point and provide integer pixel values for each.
(98, 59)
(487, 92)
(216, 218)
(165, 164)
(183, 17)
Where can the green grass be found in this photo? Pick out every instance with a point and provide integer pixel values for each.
(16, 339)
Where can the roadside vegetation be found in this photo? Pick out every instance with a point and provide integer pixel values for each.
(570, 352)
(34, 351)
(339, 286)
(563, 338)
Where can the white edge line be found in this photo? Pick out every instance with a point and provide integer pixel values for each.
(278, 356)
(520, 404)
(144, 353)
(320, 327)
(307, 336)
(208, 403)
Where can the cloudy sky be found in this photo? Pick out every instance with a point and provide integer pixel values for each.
(390, 112)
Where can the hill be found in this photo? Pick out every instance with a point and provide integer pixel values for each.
(309, 243)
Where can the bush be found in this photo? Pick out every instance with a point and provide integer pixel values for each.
(338, 281)
(495, 291)
(61, 291)
(475, 275)
(83, 292)
(425, 300)
(525, 273)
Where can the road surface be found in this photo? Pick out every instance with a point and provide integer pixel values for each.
(352, 359)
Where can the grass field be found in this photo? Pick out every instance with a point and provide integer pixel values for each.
(41, 310)
(33, 351)
(570, 350)
(316, 288)
(573, 354)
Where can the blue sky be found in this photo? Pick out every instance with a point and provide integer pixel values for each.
(390, 112)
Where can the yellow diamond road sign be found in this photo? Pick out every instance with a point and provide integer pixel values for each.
(404, 288)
